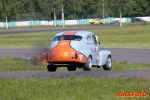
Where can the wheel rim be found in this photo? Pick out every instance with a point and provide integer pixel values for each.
(90, 63)
(109, 63)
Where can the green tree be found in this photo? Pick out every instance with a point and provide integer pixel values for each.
(10, 7)
(147, 12)
(139, 8)
(114, 7)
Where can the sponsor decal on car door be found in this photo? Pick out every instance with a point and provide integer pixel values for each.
(96, 48)
(97, 55)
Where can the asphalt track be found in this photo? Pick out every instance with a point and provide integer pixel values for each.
(118, 54)
(64, 74)
(131, 55)
(63, 29)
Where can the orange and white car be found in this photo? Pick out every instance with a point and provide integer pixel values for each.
(77, 49)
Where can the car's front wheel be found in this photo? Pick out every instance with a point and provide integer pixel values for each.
(51, 68)
(88, 65)
(92, 23)
(71, 68)
(108, 64)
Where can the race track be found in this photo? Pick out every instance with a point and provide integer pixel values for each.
(111, 73)
(118, 54)
(63, 29)
(131, 55)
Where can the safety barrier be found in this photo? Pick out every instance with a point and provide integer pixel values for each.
(66, 22)
(46, 23)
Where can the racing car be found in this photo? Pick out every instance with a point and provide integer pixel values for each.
(74, 49)
(97, 21)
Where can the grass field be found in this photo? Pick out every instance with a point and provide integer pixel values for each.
(72, 88)
(111, 38)
(23, 65)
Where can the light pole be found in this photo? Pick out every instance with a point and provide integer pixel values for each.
(6, 16)
(120, 14)
(62, 15)
(103, 12)
(54, 18)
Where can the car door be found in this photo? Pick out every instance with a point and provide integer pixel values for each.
(96, 49)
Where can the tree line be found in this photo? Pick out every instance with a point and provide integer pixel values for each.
(73, 9)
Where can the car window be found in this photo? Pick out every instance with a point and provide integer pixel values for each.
(94, 39)
(67, 37)
(88, 40)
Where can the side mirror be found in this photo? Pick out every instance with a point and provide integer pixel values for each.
(96, 38)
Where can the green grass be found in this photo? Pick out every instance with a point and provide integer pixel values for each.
(72, 88)
(8, 65)
(111, 38)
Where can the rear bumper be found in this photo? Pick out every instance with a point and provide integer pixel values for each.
(60, 64)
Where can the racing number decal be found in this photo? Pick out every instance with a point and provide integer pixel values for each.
(97, 56)
(65, 54)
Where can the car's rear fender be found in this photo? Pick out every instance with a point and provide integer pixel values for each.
(54, 44)
(103, 54)
(86, 53)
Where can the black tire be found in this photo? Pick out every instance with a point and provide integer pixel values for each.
(51, 68)
(108, 64)
(88, 65)
(71, 68)
(98, 66)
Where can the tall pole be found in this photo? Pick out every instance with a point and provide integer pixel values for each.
(103, 12)
(54, 18)
(120, 15)
(63, 16)
(6, 15)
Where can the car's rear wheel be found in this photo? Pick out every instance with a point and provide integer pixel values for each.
(51, 68)
(88, 65)
(71, 68)
(108, 64)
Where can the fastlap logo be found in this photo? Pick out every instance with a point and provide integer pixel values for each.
(92, 50)
(132, 94)
(64, 43)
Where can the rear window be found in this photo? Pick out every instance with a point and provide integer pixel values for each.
(67, 37)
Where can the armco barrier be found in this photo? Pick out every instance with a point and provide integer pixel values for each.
(122, 20)
(127, 20)
(32, 22)
(145, 18)
(1, 24)
(46, 22)
(10, 24)
(67, 22)
(22, 23)
(70, 22)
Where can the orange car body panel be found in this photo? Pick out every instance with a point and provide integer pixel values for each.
(63, 52)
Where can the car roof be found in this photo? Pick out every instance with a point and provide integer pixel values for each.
(79, 33)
